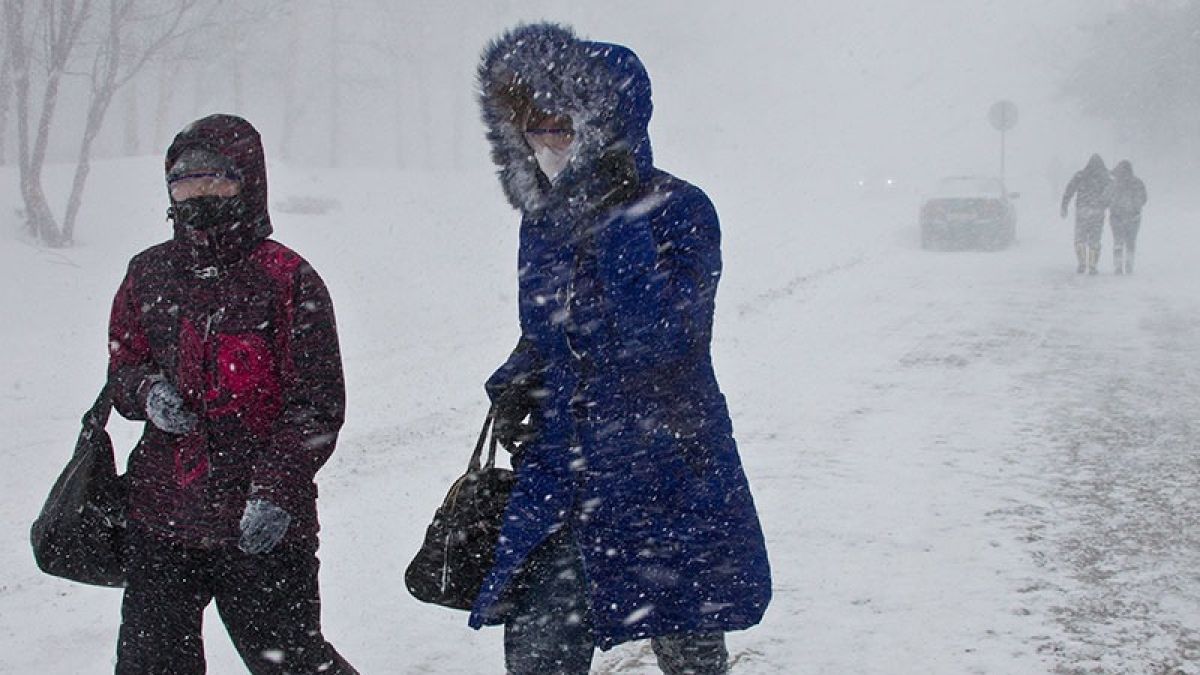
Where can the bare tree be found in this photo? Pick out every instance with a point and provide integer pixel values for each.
(168, 73)
(112, 40)
(132, 122)
(5, 96)
(53, 30)
(117, 60)
(1141, 72)
(248, 59)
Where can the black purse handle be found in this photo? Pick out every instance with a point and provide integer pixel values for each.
(474, 465)
(96, 418)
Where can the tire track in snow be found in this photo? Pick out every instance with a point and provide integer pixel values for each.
(766, 299)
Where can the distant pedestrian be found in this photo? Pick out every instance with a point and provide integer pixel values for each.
(1089, 188)
(1127, 196)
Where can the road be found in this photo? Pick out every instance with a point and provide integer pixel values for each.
(973, 462)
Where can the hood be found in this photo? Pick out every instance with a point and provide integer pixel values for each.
(1123, 170)
(603, 88)
(238, 141)
(1095, 165)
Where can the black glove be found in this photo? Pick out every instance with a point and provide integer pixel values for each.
(513, 425)
(615, 178)
(512, 390)
(166, 410)
(263, 526)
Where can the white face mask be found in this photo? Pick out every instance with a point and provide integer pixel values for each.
(551, 161)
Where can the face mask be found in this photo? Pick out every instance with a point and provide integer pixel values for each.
(203, 213)
(551, 161)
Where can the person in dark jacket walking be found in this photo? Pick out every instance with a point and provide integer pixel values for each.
(631, 516)
(224, 341)
(1127, 196)
(1089, 188)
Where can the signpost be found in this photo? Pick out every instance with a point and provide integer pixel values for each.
(1003, 116)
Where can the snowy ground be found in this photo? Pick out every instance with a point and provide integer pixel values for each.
(964, 462)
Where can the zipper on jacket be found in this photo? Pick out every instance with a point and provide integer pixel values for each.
(211, 366)
(568, 321)
(569, 293)
(212, 318)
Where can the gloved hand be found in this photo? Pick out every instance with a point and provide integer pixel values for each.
(616, 178)
(263, 526)
(166, 410)
(511, 427)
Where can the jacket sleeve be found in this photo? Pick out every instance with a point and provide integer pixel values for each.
(660, 292)
(1141, 195)
(131, 367)
(519, 370)
(1072, 187)
(314, 398)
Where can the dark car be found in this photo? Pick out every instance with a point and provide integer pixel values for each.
(969, 212)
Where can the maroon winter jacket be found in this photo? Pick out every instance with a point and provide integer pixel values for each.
(244, 328)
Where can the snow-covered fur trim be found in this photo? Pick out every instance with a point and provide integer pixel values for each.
(546, 66)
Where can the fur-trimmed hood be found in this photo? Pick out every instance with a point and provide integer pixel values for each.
(603, 88)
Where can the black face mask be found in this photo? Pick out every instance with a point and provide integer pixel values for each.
(204, 213)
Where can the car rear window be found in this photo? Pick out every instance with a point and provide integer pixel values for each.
(969, 187)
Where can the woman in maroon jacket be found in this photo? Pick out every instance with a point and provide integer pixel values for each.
(225, 342)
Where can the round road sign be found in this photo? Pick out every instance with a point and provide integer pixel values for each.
(1003, 115)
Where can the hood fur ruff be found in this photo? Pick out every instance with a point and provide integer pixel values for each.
(603, 88)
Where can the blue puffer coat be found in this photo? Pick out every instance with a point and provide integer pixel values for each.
(635, 453)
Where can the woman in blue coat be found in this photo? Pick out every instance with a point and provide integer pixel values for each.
(631, 517)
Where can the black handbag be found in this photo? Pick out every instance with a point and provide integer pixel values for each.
(460, 543)
(80, 532)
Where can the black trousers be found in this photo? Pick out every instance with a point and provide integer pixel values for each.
(1089, 226)
(269, 603)
(1125, 232)
(550, 631)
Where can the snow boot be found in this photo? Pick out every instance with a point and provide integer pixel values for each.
(1081, 258)
(1119, 259)
(1129, 262)
(1093, 256)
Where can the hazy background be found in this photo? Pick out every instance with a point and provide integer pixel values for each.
(750, 97)
(921, 429)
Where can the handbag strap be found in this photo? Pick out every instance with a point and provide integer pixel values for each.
(474, 465)
(96, 418)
